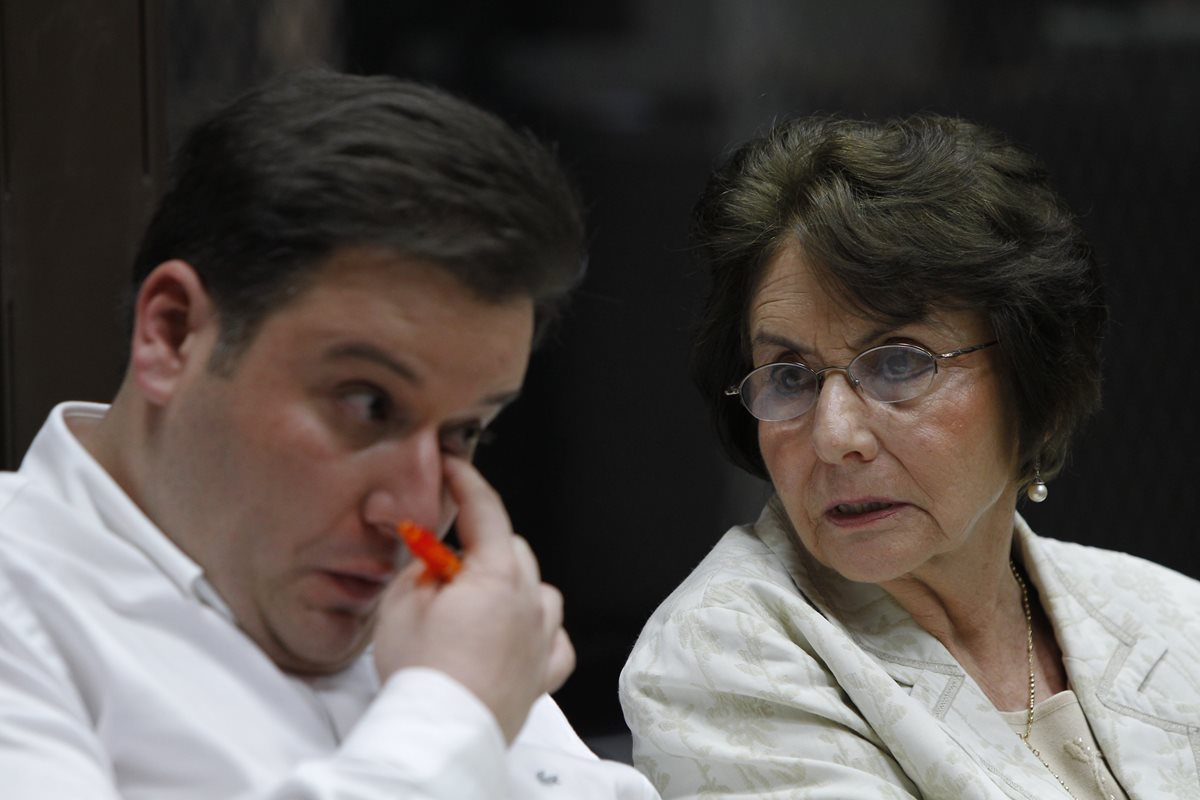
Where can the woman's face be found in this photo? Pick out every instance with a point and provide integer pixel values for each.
(878, 491)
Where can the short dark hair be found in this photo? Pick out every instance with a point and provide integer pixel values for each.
(312, 161)
(900, 218)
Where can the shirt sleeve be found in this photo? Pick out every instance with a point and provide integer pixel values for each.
(430, 736)
(549, 760)
(424, 737)
(725, 704)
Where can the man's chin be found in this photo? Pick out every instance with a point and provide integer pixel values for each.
(330, 643)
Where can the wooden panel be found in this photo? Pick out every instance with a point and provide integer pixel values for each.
(82, 143)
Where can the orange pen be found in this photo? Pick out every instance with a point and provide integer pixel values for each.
(440, 561)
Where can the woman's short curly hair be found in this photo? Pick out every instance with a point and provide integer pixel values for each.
(899, 218)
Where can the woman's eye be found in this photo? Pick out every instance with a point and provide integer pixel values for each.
(902, 365)
(790, 378)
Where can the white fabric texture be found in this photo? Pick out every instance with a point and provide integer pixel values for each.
(766, 675)
(123, 676)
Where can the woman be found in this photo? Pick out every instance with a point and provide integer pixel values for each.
(910, 319)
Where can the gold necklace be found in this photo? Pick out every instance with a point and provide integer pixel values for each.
(1032, 681)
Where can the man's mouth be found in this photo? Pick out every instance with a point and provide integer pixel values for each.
(358, 587)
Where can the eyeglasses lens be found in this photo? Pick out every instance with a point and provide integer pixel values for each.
(779, 391)
(894, 373)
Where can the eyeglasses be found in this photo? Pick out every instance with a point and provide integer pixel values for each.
(889, 373)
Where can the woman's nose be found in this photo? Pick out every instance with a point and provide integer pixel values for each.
(841, 427)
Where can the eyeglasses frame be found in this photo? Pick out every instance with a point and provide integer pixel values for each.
(735, 390)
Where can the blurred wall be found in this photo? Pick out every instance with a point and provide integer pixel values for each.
(81, 151)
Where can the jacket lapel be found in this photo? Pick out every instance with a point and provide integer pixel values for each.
(933, 711)
(1141, 699)
(1138, 692)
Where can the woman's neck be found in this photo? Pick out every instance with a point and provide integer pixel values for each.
(974, 607)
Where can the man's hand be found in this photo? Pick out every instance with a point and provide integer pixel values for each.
(495, 628)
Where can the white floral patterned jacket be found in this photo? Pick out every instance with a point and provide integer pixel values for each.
(765, 675)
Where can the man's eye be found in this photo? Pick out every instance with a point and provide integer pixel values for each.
(367, 405)
(463, 439)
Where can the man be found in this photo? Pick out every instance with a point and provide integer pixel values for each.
(336, 296)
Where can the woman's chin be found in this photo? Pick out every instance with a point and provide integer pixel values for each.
(867, 561)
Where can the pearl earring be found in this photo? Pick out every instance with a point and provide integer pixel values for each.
(1037, 491)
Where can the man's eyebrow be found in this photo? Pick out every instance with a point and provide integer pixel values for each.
(501, 398)
(367, 352)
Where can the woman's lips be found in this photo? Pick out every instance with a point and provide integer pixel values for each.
(854, 513)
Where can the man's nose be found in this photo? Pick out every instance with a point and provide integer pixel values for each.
(407, 482)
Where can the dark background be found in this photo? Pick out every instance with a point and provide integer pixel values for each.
(607, 462)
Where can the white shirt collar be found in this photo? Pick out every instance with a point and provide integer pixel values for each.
(58, 460)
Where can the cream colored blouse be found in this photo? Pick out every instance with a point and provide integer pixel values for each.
(1063, 738)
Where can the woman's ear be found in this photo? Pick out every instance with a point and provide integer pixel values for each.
(174, 323)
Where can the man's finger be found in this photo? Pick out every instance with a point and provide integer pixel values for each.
(552, 608)
(561, 663)
(483, 525)
(527, 563)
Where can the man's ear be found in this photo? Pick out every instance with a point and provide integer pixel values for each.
(174, 323)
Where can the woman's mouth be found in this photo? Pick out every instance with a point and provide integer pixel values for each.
(862, 512)
(860, 508)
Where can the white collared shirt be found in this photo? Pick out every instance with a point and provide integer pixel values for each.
(123, 675)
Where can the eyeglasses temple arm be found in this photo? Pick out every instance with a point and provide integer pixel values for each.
(965, 350)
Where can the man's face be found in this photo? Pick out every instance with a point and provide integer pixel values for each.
(284, 477)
